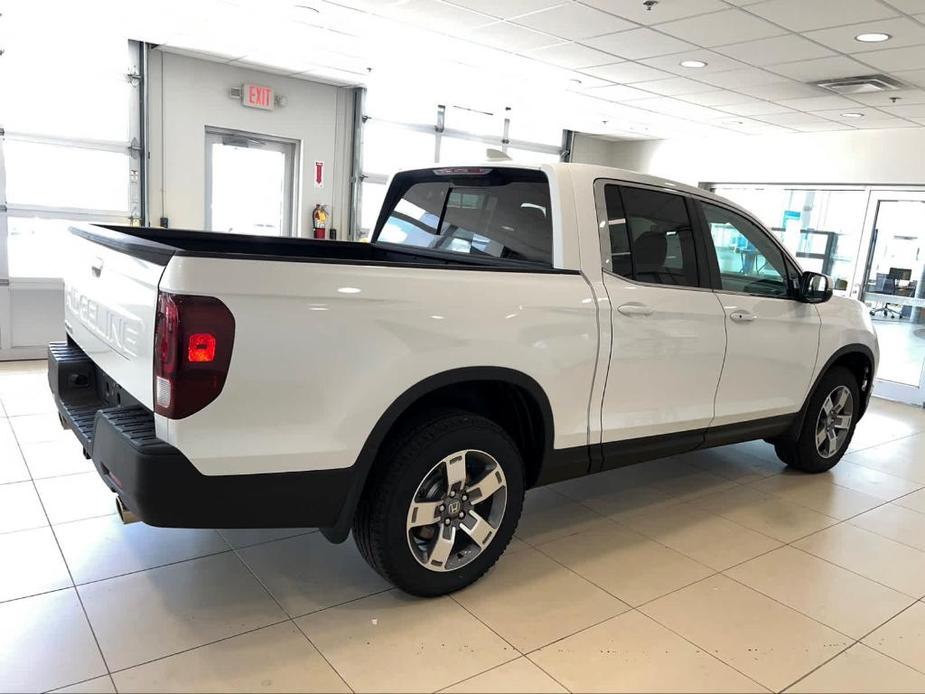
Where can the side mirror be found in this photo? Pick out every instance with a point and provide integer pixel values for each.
(815, 288)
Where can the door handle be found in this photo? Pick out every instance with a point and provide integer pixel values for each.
(742, 316)
(96, 267)
(635, 310)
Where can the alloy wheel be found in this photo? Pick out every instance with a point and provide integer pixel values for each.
(456, 510)
(834, 421)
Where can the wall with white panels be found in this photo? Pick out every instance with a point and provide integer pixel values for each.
(187, 95)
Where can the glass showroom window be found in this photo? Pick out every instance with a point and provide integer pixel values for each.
(65, 164)
(399, 134)
(821, 227)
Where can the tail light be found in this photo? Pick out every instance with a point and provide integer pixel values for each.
(193, 338)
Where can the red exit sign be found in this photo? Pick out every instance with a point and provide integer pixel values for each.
(257, 96)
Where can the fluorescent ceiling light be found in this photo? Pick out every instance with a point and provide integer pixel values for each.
(693, 63)
(873, 37)
(852, 115)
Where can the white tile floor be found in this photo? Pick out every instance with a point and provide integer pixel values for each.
(715, 571)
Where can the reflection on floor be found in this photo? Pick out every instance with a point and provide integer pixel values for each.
(716, 571)
(902, 350)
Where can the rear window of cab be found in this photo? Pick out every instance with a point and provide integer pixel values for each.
(485, 212)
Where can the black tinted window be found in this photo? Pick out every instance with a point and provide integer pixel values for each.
(650, 236)
(499, 213)
(616, 244)
(749, 261)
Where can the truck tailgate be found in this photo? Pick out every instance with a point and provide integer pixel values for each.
(110, 307)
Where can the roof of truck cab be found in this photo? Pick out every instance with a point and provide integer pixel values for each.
(592, 171)
(596, 171)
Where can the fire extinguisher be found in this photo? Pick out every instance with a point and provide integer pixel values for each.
(319, 222)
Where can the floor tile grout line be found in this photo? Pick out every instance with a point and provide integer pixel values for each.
(845, 568)
(291, 619)
(249, 631)
(635, 608)
(198, 646)
(67, 566)
(478, 674)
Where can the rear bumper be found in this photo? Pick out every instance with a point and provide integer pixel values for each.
(158, 483)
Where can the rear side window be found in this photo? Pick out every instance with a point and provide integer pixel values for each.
(476, 211)
(650, 236)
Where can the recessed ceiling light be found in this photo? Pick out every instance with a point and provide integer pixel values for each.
(852, 115)
(693, 63)
(873, 37)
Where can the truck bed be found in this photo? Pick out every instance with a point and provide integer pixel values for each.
(158, 245)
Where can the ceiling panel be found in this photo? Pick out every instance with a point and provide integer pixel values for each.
(821, 68)
(755, 108)
(436, 15)
(806, 15)
(682, 109)
(777, 91)
(735, 79)
(506, 9)
(884, 124)
(792, 119)
(779, 49)
(571, 55)
(820, 103)
(715, 62)
(820, 126)
(904, 32)
(719, 28)
(911, 6)
(908, 58)
(901, 96)
(512, 37)
(626, 72)
(574, 22)
(674, 86)
(666, 11)
(866, 115)
(618, 93)
(908, 111)
(718, 98)
(914, 78)
(638, 43)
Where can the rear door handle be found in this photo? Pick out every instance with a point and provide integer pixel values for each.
(635, 310)
(742, 316)
(96, 267)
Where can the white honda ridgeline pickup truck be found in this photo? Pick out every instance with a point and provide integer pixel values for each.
(507, 327)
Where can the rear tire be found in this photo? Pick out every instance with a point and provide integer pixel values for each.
(831, 416)
(441, 503)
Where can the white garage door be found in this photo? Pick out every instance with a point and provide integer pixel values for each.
(68, 151)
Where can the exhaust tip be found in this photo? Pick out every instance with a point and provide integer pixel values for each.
(125, 515)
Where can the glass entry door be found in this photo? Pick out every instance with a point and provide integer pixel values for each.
(250, 183)
(893, 289)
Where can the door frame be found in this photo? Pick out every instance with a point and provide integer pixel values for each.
(913, 394)
(292, 150)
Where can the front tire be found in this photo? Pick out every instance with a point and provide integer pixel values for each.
(441, 504)
(831, 416)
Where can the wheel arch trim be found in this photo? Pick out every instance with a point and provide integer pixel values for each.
(403, 403)
(853, 348)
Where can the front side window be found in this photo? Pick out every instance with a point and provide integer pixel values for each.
(749, 261)
(650, 237)
(476, 211)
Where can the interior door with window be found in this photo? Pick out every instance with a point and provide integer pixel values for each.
(893, 289)
(668, 336)
(250, 183)
(771, 338)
